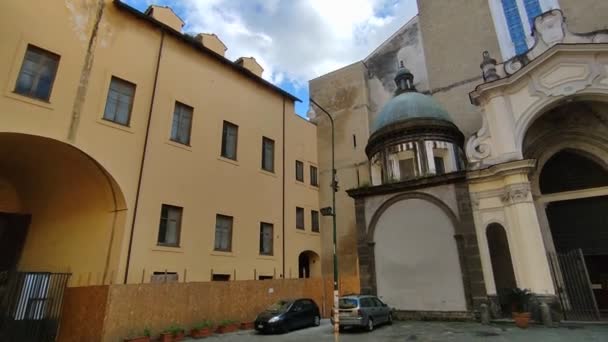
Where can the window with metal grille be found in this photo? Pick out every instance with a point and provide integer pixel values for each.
(170, 225)
(182, 123)
(299, 171)
(266, 240)
(119, 102)
(314, 219)
(229, 140)
(223, 233)
(37, 73)
(220, 277)
(268, 154)
(299, 218)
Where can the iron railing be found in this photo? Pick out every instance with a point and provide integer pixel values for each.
(30, 305)
(573, 286)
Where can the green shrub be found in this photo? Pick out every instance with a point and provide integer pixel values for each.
(203, 325)
(174, 330)
(226, 322)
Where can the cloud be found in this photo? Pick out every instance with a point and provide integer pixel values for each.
(297, 40)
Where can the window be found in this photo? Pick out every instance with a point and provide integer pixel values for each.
(514, 21)
(377, 302)
(314, 219)
(170, 225)
(299, 171)
(439, 165)
(266, 233)
(268, 154)
(366, 302)
(220, 277)
(407, 168)
(182, 123)
(37, 73)
(164, 277)
(229, 140)
(299, 218)
(262, 277)
(119, 102)
(354, 141)
(313, 176)
(223, 233)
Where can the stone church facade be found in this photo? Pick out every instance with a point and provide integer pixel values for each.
(465, 180)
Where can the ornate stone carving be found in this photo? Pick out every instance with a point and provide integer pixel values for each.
(477, 148)
(516, 193)
(550, 27)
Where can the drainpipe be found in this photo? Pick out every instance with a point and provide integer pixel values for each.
(143, 155)
(283, 225)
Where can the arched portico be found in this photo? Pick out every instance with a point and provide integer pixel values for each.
(309, 265)
(61, 210)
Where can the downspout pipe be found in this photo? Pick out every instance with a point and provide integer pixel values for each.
(283, 224)
(143, 155)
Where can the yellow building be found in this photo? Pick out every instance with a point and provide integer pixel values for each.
(132, 152)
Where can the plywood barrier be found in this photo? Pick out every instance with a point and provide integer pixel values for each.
(130, 309)
(82, 316)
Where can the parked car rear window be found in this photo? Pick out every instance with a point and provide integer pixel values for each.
(279, 306)
(348, 303)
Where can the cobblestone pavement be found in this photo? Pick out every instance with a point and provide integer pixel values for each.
(432, 331)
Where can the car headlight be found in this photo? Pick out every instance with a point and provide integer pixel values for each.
(274, 319)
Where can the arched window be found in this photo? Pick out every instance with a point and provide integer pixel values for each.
(513, 20)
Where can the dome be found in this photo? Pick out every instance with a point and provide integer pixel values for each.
(409, 105)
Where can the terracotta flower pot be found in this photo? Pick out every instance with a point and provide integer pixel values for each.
(522, 319)
(222, 329)
(166, 337)
(247, 325)
(200, 333)
(179, 336)
(138, 339)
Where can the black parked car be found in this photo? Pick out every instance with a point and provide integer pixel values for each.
(286, 315)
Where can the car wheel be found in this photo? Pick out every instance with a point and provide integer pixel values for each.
(390, 318)
(316, 321)
(370, 324)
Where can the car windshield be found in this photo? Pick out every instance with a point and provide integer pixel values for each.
(279, 306)
(348, 303)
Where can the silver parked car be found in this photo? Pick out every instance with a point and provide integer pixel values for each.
(363, 311)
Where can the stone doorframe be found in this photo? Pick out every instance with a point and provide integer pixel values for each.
(464, 234)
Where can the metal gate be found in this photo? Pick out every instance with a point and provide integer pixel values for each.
(30, 305)
(573, 286)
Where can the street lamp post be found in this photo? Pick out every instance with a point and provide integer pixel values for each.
(334, 187)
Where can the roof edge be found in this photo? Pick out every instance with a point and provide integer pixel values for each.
(201, 48)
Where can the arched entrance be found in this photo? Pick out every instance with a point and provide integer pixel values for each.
(570, 186)
(416, 258)
(60, 211)
(502, 265)
(309, 265)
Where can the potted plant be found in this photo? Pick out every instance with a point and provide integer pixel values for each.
(145, 337)
(520, 300)
(247, 325)
(172, 333)
(226, 326)
(202, 329)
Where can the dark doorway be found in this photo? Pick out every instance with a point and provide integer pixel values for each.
(303, 265)
(583, 224)
(579, 223)
(502, 265)
(13, 230)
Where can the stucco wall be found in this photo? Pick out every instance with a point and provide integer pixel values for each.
(585, 16)
(343, 94)
(405, 46)
(95, 41)
(410, 273)
(455, 33)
